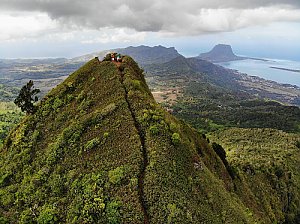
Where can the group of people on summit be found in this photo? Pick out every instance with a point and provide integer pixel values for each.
(116, 57)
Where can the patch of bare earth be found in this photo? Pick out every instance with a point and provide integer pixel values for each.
(168, 95)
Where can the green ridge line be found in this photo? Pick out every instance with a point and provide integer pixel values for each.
(144, 152)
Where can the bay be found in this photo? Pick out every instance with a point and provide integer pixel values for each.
(263, 69)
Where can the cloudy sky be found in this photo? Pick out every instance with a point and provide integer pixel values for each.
(68, 28)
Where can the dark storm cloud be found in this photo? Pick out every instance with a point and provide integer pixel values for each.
(176, 16)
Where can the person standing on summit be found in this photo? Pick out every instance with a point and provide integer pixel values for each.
(119, 58)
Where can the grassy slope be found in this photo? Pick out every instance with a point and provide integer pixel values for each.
(10, 115)
(77, 159)
(181, 184)
(100, 150)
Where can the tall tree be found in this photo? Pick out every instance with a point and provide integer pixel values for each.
(27, 97)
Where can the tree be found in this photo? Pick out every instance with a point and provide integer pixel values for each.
(27, 97)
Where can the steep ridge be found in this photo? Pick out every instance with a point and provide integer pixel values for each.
(144, 152)
(78, 158)
(100, 150)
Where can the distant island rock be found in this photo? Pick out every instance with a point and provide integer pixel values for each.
(223, 53)
(220, 53)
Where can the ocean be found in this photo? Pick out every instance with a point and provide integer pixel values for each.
(263, 69)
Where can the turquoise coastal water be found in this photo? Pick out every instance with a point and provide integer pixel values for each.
(263, 70)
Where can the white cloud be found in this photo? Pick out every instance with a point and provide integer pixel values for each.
(25, 25)
(109, 35)
(99, 21)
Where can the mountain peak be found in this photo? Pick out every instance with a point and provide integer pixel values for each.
(100, 150)
(223, 47)
(220, 53)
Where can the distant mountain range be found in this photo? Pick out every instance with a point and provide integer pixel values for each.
(157, 60)
(144, 55)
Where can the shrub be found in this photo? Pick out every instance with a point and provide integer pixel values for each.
(108, 109)
(151, 116)
(3, 220)
(70, 97)
(113, 213)
(54, 152)
(26, 217)
(47, 216)
(115, 176)
(56, 184)
(85, 104)
(173, 212)
(4, 179)
(176, 138)
(154, 129)
(173, 127)
(57, 103)
(80, 96)
(91, 144)
(136, 84)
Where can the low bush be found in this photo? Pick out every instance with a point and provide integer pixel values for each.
(91, 144)
(176, 138)
(115, 176)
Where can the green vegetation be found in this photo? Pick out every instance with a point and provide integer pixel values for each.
(268, 161)
(99, 149)
(175, 138)
(92, 144)
(10, 115)
(209, 108)
(8, 93)
(115, 176)
(52, 183)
